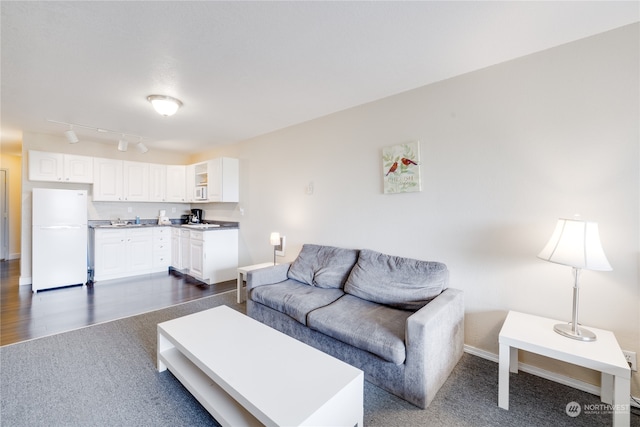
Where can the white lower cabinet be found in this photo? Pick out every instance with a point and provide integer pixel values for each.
(196, 255)
(180, 249)
(109, 254)
(161, 248)
(213, 255)
(128, 252)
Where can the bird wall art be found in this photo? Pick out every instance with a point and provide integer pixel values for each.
(401, 168)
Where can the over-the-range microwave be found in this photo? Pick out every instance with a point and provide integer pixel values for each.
(200, 193)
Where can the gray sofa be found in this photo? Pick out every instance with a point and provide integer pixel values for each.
(395, 318)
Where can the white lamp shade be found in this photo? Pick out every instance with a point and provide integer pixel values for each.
(275, 238)
(577, 244)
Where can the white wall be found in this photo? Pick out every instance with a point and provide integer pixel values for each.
(506, 151)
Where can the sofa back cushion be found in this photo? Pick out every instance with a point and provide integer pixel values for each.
(323, 266)
(398, 282)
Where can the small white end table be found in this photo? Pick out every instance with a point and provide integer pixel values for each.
(535, 334)
(242, 271)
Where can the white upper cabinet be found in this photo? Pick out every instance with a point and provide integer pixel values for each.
(57, 167)
(176, 184)
(215, 180)
(157, 183)
(224, 182)
(107, 180)
(136, 181)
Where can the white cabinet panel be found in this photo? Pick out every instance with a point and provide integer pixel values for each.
(107, 180)
(176, 252)
(161, 248)
(57, 167)
(196, 255)
(109, 254)
(78, 168)
(213, 255)
(176, 184)
(157, 183)
(139, 250)
(219, 178)
(131, 251)
(224, 183)
(136, 181)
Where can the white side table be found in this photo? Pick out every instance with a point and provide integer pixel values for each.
(535, 334)
(242, 271)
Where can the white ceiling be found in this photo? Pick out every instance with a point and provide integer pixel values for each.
(243, 69)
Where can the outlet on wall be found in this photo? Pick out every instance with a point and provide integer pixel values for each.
(631, 359)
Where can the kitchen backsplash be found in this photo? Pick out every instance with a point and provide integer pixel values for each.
(111, 211)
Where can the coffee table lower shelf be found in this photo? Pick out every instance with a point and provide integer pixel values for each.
(225, 409)
(245, 373)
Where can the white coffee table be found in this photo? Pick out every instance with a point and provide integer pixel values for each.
(535, 334)
(246, 373)
(242, 272)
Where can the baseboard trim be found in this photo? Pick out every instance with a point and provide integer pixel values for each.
(543, 373)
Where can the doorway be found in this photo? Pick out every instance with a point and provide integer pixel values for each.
(4, 216)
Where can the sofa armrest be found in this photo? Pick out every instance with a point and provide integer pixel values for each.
(434, 340)
(267, 276)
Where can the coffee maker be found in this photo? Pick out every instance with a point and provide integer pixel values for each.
(196, 216)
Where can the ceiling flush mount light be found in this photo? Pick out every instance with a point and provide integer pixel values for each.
(164, 105)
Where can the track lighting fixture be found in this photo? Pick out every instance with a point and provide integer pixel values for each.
(164, 105)
(122, 142)
(141, 147)
(71, 135)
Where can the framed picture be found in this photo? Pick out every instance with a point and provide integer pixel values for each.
(401, 168)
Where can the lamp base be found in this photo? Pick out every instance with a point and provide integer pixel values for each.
(581, 334)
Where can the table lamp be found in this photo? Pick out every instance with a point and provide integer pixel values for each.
(576, 243)
(276, 241)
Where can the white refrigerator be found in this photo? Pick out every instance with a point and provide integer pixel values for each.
(59, 238)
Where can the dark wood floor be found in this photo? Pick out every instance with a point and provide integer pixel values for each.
(25, 315)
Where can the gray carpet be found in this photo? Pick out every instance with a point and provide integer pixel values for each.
(105, 375)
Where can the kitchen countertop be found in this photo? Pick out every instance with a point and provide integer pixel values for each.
(144, 223)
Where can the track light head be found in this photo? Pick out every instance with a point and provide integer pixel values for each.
(122, 142)
(141, 147)
(71, 136)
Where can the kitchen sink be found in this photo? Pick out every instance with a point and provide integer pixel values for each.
(118, 225)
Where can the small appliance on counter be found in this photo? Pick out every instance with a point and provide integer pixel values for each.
(196, 216)
(163, 219)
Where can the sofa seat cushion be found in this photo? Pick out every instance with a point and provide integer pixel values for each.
(294, 299)
(323, 266)
(404, 283)
(366, 325)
